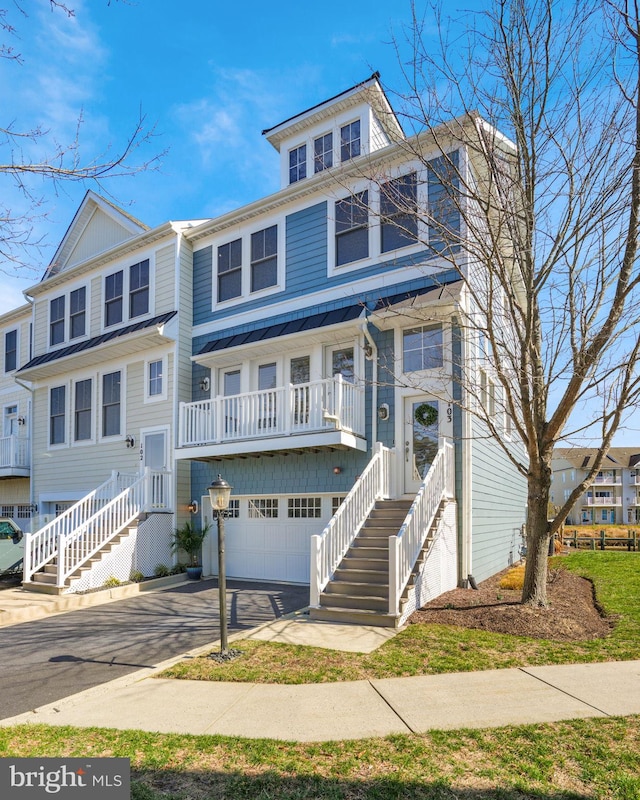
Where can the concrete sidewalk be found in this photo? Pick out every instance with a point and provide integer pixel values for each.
(329, 711)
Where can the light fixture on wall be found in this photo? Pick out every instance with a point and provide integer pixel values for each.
(130, 441)
(337, 470)
(193, 506)
(368, 350)
(205, 384)
(383, 411)
(21, 420)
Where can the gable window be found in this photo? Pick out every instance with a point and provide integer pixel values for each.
(350, 140)
(82, 412)
(139, 289)
(113, 287)
(352, 228)
(10, 350)
(77, 312)
(155, 378)
(57, 398)
(298, 163)
(422, 348)
(323, 152)
(398, 213)
(56, 320)
(264, 258)
(230, 270)
(111, 384)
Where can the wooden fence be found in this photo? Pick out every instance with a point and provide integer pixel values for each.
(602, 541)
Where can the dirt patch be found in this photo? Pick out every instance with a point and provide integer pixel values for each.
(572, 614)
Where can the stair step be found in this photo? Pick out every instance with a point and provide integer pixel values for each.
(365, 551)
(353, 589)
(360, 561)
(353, 616)
(371, 540)
(350, 575)
(366, 602)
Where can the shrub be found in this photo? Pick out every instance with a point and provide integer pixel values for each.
(112, 582)
(178, 569)
(161, 571)
(514, 579)
(136, 576)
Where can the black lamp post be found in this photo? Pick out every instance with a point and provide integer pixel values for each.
(219, 494)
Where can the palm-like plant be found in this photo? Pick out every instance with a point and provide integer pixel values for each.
(188, 538)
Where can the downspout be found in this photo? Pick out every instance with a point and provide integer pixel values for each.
(374, 380)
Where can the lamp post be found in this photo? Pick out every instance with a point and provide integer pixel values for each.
(219, 494)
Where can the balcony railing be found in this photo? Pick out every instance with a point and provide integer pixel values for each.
(603, 501)
(14, 452)
(608, 480)
(313, 407)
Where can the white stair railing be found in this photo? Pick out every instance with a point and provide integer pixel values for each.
(329, 548)
(80, 531)
(406, 545)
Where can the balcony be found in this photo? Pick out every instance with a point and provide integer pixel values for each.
(14, 457)
(603, 501)
(321, 414)
(607, 480)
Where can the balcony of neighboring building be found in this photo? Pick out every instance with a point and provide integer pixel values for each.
(323, 414)
(14, 457)
(608, 478)
(602, 501)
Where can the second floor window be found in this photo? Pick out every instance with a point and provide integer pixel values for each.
(111, 404)
(264, 258)
(298, 163)
(230, 270)
(82, 414)
(398, 213)
(139, 289)
(352, 228)
(155, 378)
(10, 351)
(113, 287)
(77, 312)
(56, 321)
(57, 399)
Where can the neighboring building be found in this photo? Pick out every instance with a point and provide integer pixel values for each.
(614, 495)
(293, 345)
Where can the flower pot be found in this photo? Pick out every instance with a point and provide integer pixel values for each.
(194, 573)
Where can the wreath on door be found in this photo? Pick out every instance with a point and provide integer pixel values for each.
(426, 415)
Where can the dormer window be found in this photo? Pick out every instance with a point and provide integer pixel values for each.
(298, 163)
(323, 152)
(350, 140)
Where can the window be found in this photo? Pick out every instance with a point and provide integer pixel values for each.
(298, 163)
(352, 228)
(82, 413)
(155, 378)
(10, 351)
(77, 312)
(230, 270)
(233, 510)
(263, 508)
(264, 258)
(300, 371)
(336, 502)
(422, 348)
(267, 376)
(57, 398)
(113, 287)
(323, 152)
(398, 212)
(231, 383)
(304, 508)
(342, 363)
(56, 320)
(139, 289)
(350, 140)
(111, 404)
(487, 394)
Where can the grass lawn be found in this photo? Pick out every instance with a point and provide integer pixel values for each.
(429, 649)
(591, 759)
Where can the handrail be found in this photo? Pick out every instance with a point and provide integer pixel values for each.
(405, 546)
(297, 408)
(329, 548)
(80, 531)
(14, 451)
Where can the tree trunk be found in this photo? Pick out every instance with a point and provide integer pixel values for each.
(534, 591)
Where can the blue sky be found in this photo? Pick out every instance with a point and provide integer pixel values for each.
(209, 75)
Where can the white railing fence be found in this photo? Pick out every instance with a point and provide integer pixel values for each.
(297, 408)
(405, 546)
(80, 531)
(14, 451)
(329, 548)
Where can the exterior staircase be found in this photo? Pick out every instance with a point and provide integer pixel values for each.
(358, 592)
(45, 580)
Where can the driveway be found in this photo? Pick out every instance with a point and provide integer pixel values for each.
(48, 659)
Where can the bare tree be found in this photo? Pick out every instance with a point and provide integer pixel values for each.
(543, 98)
(35, 152)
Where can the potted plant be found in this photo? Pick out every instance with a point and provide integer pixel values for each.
(188, 538)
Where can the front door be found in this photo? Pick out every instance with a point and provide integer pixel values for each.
(421, 425)
(154, 455)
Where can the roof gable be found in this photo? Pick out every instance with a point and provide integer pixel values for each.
(97, 226)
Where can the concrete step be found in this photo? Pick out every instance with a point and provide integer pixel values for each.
(361, 561)
(354, 589)
(353, 616)
(45, 578)
(41, 588)
(364, 602)
(366, 551)
(371, 540)
(361, 575)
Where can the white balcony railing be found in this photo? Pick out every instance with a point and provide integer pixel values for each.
(607, 480)
(301, 408)
(14, 452)
(604, 501)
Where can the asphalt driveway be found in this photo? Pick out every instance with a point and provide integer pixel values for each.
(48, 659)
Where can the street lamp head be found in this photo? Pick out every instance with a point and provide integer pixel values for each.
(219, 494)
